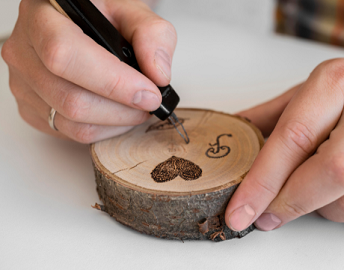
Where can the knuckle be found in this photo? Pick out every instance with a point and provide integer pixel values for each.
(73, 106)
(112, 88)
(85, 133)
(297, 135)
(166, 26)
(162, 26)
(334, 168)
(23, 7)
(333, 71)
(158, 26)
(293, 209)
(267, 187)
(7, 52)
(57, 55)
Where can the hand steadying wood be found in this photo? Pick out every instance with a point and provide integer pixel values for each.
(151, 181)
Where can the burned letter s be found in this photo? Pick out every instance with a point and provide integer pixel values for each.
(216, 150)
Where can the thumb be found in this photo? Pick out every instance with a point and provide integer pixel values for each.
(153, 39)
(154, 44)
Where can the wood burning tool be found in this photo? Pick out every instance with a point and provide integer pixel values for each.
(96, 26)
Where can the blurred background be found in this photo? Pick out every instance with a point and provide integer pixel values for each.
(8, 16)
(251, 15)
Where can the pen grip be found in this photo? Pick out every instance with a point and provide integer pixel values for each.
(95, 25)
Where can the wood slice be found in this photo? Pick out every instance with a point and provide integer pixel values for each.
(152, 181)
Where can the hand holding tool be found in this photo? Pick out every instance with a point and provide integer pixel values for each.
(96, 26)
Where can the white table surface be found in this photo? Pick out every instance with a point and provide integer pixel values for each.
(47, 185)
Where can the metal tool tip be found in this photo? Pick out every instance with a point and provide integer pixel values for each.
(174, 119)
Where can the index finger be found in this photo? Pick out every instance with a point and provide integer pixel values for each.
(68, 53)
(306, 122)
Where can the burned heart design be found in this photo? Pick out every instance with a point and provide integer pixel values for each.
(174, 166)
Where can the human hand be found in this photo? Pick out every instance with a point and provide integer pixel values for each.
(53, 64)
(301, 167)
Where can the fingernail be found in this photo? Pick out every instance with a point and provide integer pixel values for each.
(146, 100)
(267, 222)
(163, 62)
(241, 218)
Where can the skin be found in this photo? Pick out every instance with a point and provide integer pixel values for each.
(301, 167)
(53, 64)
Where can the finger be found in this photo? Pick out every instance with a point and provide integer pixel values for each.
(333, 211)
(70, 100)
(87, 133)
(317, 183)
(266, 115)
(29, 115)
(83, 133)
(31, 107)
(25, 96)
(35, 111)
(68, 53)
(153, 38)
(305, 123)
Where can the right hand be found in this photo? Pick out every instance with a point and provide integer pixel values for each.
(53, 64)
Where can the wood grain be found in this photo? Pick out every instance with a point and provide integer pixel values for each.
(201, 176)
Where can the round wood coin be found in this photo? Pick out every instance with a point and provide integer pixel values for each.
(152, 181)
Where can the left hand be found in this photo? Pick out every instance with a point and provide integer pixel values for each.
(287, 180)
